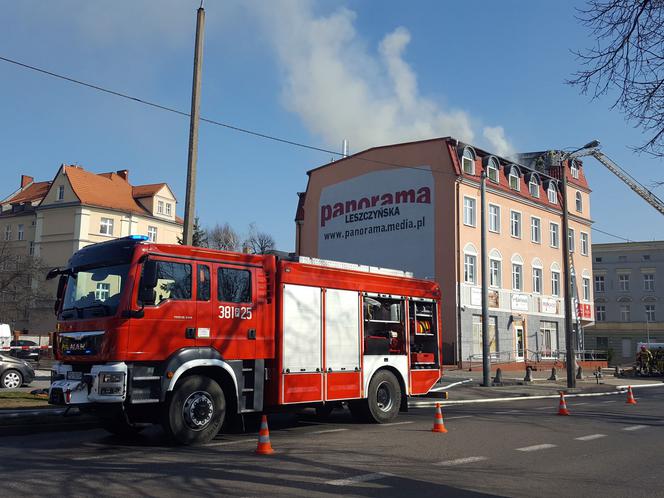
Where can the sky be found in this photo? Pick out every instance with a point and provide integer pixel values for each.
(312, 72)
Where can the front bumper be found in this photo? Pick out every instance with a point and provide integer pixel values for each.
(93, 387)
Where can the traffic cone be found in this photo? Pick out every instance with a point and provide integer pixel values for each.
(630, 397)
(438, 424)
(264, 447)
(562, 406)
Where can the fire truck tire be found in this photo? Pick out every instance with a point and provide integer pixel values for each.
(383, 401)
(195, 411)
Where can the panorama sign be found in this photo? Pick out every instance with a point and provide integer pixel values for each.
(384, 218)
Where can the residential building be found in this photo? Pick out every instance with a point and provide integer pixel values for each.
(629, 298)
(416, 207)
(51, 220)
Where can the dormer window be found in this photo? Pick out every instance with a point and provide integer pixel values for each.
(514, 179)
(160, 207)
(468, 161)
(492, 170)
(168, 209)
(533, 186)
(552, 193)
(574, 169)
(60, 196)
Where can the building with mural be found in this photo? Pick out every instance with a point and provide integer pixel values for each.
(50, 220)
(627, 279)
(416, 207)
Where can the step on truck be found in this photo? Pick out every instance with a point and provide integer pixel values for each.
(191, 337)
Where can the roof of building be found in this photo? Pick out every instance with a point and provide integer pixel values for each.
(33, 192)
(139, 191)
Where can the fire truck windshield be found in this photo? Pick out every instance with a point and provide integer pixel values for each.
(93, 292)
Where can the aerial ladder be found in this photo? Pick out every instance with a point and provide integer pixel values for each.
(592, 149)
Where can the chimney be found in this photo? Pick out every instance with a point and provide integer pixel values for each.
(124, 174)
(26, 180)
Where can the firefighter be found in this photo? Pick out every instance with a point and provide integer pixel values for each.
(644, 360)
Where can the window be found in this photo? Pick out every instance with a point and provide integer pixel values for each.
(570, 240)
(106, 226)
(602, 343)
(514, 179)
(623, 282)
(574, 168)
(549, 332)
(160, 207)
(168, 209)
(20, 232)
(492, 170)
(477, 335)
(173, 281)
(31, 249)
(600, 313)
(552, 193)
(103, 291)
(579, 202)
(624, 312)
(650, 312)
(517, 276)
(8, 232)
(622, 258)
(645, 257)
(468, 161)
(152, 234)
(555, 283)
(535, 230)
(494, 218)
(203, 285)
(469, 211)
(494, 272)
(533, 186)
(515, 224)
(469, 265)
(649, 281)
(586, 288)
(234, 286)
(554, 234)
(537, 280)
(60, 196)
(583, 240)
(600, 283)
(598, 260)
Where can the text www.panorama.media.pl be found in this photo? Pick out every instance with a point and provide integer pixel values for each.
(404, 224)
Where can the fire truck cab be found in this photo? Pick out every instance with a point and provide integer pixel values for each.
(189, 337)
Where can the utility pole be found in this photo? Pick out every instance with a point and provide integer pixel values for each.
(190, 201)
(569, 327)
(486, 367)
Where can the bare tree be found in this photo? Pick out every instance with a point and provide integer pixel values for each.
(223, 237)
(259, 242)
(628, 58)
(22, 288)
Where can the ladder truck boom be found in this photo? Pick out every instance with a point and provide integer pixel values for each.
(646, 194)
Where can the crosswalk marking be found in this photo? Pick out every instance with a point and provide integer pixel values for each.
(634, 427)
(328, 431)
(361, 478)
(590, 437)
(461, 461)
(537, 447)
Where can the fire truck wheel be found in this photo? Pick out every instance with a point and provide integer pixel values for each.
(195, 411)
(384, 398)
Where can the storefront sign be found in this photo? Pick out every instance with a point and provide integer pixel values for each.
(520, 302)
(494, 300)
(384, 218)
(548, 305)
(475, 296)
(584, 311)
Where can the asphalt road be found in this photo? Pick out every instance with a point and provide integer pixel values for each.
(520, 448)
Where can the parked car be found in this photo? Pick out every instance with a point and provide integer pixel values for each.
(15, 372)
(29, 349)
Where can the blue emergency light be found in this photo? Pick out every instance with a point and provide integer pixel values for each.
(138, 237)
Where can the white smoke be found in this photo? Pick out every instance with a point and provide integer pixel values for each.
(495, 135)
(342, 89)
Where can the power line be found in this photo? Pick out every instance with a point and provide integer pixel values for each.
(612, 235)
(210, 121)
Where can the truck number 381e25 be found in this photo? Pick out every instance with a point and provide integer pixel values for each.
(235, 312)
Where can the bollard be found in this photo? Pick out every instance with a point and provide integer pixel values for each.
(498, 379)
(579, 373)
(529, 375)
(554, 374)
(616, 372)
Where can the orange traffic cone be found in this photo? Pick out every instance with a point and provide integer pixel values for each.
(562, 406)
(264, 447)
(630, 397)
(438, 424)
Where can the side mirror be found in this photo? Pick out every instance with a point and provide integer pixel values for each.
(53, 273)
(60, 293)
(149, 279)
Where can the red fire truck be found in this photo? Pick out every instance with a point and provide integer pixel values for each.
(190, 337)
